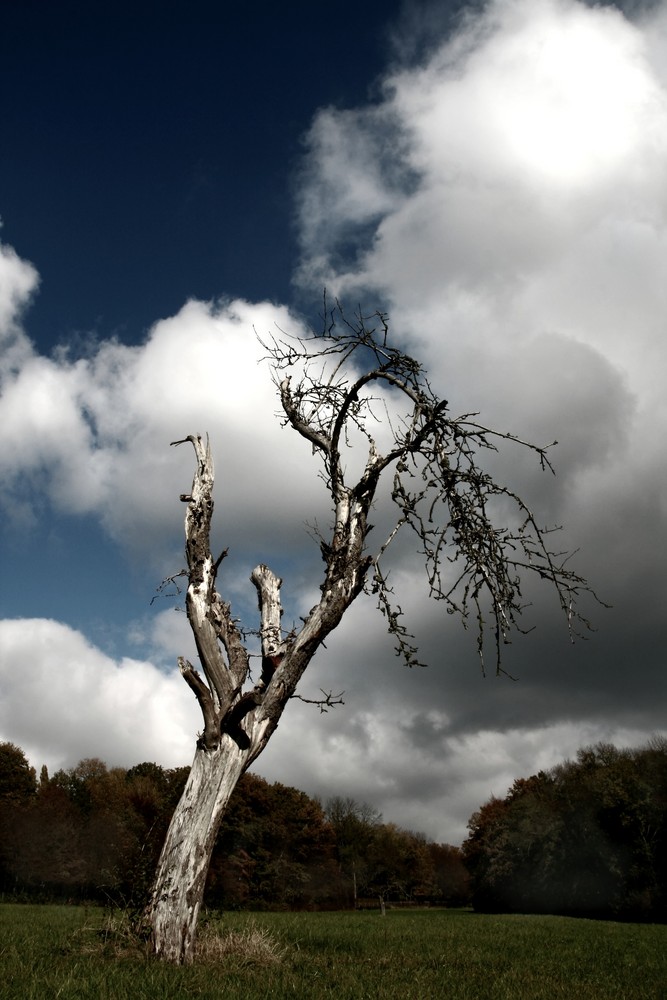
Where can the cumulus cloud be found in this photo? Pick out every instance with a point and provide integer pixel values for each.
(522, 252)
(62, 700)
(92, 433)
(18, 283)
(532, 145)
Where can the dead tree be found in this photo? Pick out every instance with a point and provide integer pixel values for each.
(337, 390)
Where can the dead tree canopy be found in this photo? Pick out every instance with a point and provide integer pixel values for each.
(337, 390)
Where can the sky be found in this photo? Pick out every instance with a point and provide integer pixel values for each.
(178, 180)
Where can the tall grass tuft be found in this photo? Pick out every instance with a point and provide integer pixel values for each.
(249, 946)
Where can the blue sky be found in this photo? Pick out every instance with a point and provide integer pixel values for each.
(177, 178)
(160, 144)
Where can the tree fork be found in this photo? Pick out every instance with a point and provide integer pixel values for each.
(232, 737)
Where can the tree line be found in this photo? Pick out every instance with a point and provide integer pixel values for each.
(588, 837)
(94, 833)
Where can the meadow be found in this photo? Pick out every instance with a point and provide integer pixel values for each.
(78, 953)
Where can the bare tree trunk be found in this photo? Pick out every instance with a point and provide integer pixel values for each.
(237, 724)
(179, 883)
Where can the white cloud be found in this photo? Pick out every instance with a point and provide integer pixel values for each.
(523, 255)
(94, 432)
(62, 699)
(548, 94)
(18, 281)
(534, 144)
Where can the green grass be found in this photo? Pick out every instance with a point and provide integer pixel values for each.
(65, 952)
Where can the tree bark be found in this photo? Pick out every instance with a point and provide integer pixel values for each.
(179, 883)
(237, 724)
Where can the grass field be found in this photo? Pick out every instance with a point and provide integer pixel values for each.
(72, 952)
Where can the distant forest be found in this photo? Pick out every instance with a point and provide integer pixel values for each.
(588, 837)
(94, 833)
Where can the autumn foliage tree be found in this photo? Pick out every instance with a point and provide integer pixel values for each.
(587, 837)
(346, 391)
(18, 782)
(89, 832)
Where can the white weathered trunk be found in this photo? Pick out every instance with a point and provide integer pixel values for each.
(179, 883)
(238, 723)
